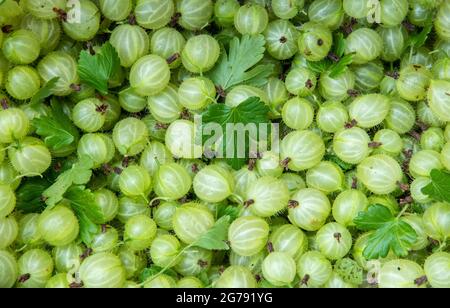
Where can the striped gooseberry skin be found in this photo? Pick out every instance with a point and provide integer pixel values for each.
(400, 273)
(281, 39)
(62, 65)
(130, 136)
(200, 53)
(88, 23)
(190, 282)
(293, 181)
(416, 222)
(269, 164)
(180, 139)
(276, 92)
(419, 13)
(116, 10)
(213, 184)
(423, 162)
(193, 261)
(196, 93)
(326, 177)
(48, 31)
(163, 214)
(394, 41)
(390, 142)
(21, 47)
(108, 204)
(441, 69)
(172, 181)
(99, 147)
(9, 175)
(224, 11)
(131, 101)
(439, 99)
(44, 8)
(432, 139)
(130, 42)
(437, 270)
(334, 241)
(58, 281)
(251, 19)
(133, 262)
(155, 155)
(368, 76)
(7, 200)
(298, 113)
(139, 232)
(336, 88)
(436, 220)
(164, 250)
(301, 82)
(38, 264)
(337, 282)
(302, 150)
(248, 235)
(327, 12)
(135, 181)
(401, 117)
(9, 229)
(22, 82)
(30, 157)
(165, 106)
(356, 8)
(290, 240)
(195, 14)
(267, 196)
(426, 115)
(87, 115)
(416, 189)
(312, 211)
(58, 226)
(166, 43)
(149, 75)
(287, 9)
(421, 56)
(8, 269)
(154, 14)
(130, 207)
(369, 110)
(315, 41)
(442, 21)
(388, 86)
(347, 206)
(445, 156)
(191, 221)
(242, 92)
(279, 268)
(414, 82)
(236, 277)
(332, 116)
(380, 173)
(102, 270)
(366, 45)
(105, 241)
(393, 12)
(243, 178)
(314, 269)
(160, 282)
(29, 230)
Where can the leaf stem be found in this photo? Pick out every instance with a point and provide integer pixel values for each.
(402, 211)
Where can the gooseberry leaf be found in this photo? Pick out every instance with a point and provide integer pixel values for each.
(44, 92)
(216, 237)
(439, 188)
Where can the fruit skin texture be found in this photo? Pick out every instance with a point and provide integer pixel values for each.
(102, 270)
(58, 226)
(437, 269)
(400, 274)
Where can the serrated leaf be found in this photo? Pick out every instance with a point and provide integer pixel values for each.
(216, 237)
(235, 67)
(96, 70)
(228, 210)
(339, 46)
(375, 217)
(340, 67)
(420, 38)
(319, 67)
(439, 188)
(79, 174)
(44, 92)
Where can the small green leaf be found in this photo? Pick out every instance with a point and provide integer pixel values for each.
(319, 67)
(79, 174)
(29, 195)
(339, 46)
(44, 92)
(153, 270)
(420, 38)
(340, 67)
(215, 238)
(96, 70)
(228, 210)
(375, 217)
(439, 188)
(342, 164)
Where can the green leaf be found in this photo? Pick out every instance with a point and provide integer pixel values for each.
(319, 67)
(96, 70)
(153, 270)
(391, 233)
(87, 211)
(342, 164)
(339, 46)
(44, 92)
(29, 195)
(251, 111)
(235, 67)
(228, 210)
(439, 188)
(79, 174)
(215, 238)
(420, 38)
(340, 67)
